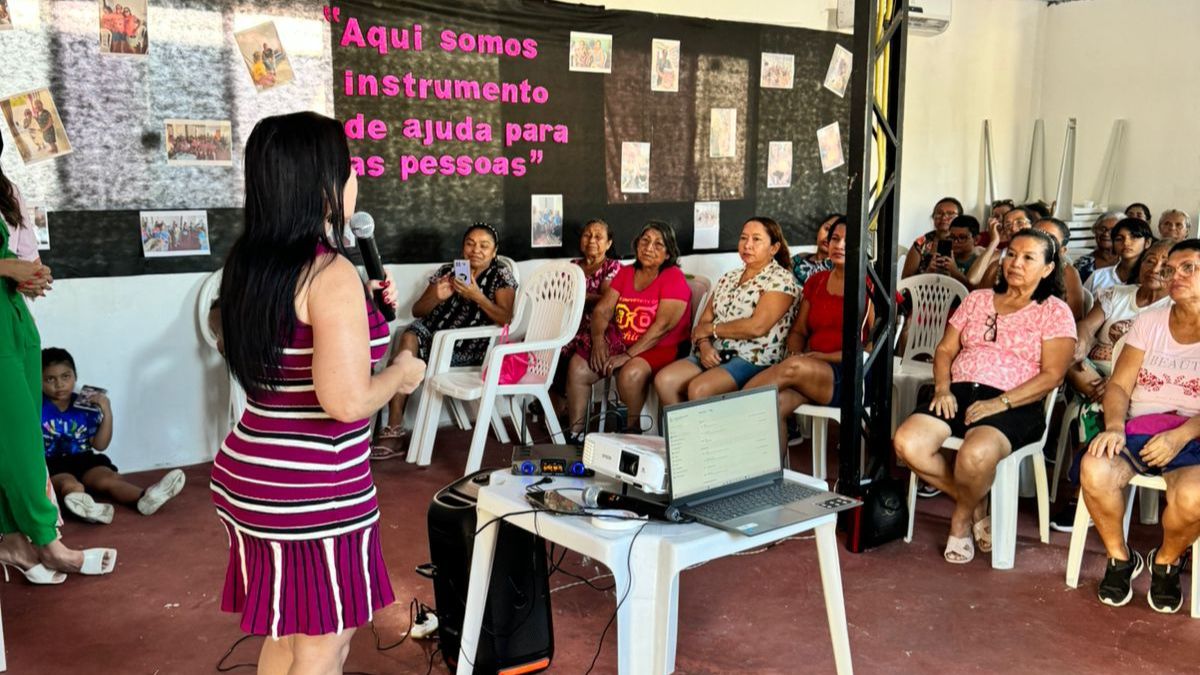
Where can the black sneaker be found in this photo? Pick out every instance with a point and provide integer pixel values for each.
(1064, 519)
(1165, 594)
(1116, 588)
(925, 491)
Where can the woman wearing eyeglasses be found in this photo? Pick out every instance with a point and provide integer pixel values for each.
(986, 268)
(1003, 352)
(1103, 255)
(924, 249)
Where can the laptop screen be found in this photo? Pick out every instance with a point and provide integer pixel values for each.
(722, 440)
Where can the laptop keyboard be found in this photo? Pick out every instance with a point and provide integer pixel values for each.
(745, 503)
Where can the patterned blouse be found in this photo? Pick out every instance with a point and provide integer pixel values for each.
(732, 301)
(603, 275)
(803, 267)
(1085, 265)
(458, 312)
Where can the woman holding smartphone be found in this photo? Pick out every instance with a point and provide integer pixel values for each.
(475, 290)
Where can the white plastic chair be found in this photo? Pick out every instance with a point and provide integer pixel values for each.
(1005, 493)
(553, 301)
(1089, 301)
(933, 296)
(1147, 487)
(209, 292)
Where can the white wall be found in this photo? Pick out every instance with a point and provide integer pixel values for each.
(1111, 59)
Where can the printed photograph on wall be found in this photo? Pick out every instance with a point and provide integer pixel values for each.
(829, 143)
(590, 53)
(664, 68)
(546, 221)
(777, 71)
(123, 27)
(635, 167)
(41, 225)
(707, 225)
(35, 126)
(199, 142)
(174, 233)
(5, 17)
(779, 164)
(722, 133)
(838, 75)
(264, 57)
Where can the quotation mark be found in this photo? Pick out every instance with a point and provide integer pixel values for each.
(535, 156)
(332, 14)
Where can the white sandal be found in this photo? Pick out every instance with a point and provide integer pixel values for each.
(959, 550)
(94, 561)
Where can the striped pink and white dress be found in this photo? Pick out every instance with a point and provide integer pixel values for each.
(293, 487)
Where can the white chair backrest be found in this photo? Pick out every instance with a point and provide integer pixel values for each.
(701, 287)
(932, 297)
(209, 290)
(1089, 301)
(553, 299)
(512, 267)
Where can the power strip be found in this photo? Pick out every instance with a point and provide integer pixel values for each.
(426, 628)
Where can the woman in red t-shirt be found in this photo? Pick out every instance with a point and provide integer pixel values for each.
(636, 328)
(812, 371)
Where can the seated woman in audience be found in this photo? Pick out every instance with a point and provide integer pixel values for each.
(743, 327)
(1130, 237)
(1072, 285)
(986, 268)
(999, 208)
(637, 328)
(1152, 427)
(486, 298)
(921, 253)
(599, 269)
(1004, 351)
(964, 231)
(812, 371)
(1174, 225)
(1103, 255)
(1138, 210)
(806, 265)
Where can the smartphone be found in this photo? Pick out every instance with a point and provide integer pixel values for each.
(87, 397)
(727, 355)
(945, 248)
(462, 271)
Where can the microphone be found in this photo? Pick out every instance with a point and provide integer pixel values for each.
(597, 497)
(363, 227)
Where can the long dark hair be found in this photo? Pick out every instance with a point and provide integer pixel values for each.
(775, 233)
(1052, 284)
(9, 209)
(297, 166)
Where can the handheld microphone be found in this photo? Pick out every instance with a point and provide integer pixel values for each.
(363, 227)
(597, 497)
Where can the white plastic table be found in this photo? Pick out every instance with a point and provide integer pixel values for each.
(647, 621)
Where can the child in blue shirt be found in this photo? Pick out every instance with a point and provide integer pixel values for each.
(75, 436)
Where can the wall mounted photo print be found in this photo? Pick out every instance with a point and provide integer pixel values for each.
(838, 75)
(35, 125)
(123, 27)
(777, 71)
(664, 68)
(5, 17)
(199, 142)
(174, 233)
(779, 164)
(722, 132)
(546, 221)
(829, 143)
(707, 225)
(635, 167)
(268, 64)
(41, 224)
(590, 53)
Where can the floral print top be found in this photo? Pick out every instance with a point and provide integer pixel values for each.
(732, 301)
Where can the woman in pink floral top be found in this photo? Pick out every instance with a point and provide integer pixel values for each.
(1004, 351)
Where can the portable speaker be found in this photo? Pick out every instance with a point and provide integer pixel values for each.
(518, 633)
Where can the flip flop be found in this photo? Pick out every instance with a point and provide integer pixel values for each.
(94, 563)
(982, 529)
(82, 505)
(959, 550)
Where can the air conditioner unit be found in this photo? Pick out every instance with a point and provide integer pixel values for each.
(926, 17)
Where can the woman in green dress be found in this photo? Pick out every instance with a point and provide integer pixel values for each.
(28, 519)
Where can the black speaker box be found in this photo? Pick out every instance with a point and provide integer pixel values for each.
(518, 633)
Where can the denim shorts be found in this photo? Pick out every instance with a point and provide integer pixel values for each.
(738, 368)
